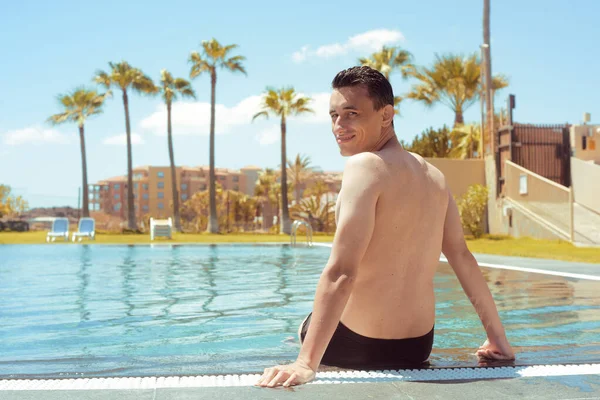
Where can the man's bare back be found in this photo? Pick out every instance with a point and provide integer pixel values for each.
(393, 292)
(374, 303)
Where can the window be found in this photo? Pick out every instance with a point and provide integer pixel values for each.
(236, 178)
(184, 186)
(583, 142)
(135, 185)
(184, 197)
(161, 205)
(203, 187)
(161, 185)
(117, 196)
(145, 208)
(161, 195)
(160, 174)
(106, 187)
(221, 178)
(116, 186)
(236, 188)
(145, 186)
(145, 196)
(117, 207)
(135, 206)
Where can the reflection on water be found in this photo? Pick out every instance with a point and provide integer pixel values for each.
(135, 310)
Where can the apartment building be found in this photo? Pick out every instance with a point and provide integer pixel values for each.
(152, 188)
(153, 192)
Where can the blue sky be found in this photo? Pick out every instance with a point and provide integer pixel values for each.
(546, 48)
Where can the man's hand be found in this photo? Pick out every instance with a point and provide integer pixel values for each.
(287, 375)
(500, 351)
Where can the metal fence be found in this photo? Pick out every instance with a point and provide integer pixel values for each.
(542, 149)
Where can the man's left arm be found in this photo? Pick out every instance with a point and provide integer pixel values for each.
(356, 221)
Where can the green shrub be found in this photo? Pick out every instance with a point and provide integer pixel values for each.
(471, 207)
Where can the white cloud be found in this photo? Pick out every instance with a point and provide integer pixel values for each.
(121, 140)
(369, 41)
(35, 135)
(193, 118)
(300, 55)
(269, 136)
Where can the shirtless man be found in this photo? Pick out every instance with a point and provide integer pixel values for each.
(374, 306)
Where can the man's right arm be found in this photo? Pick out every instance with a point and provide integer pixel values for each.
(467, 271)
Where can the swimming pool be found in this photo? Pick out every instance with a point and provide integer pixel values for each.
(96, 310)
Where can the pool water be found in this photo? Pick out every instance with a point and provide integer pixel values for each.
(96, 310)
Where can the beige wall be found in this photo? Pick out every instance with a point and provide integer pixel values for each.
(592, 152)
(585, 179)
(539, 189)
(460, 174)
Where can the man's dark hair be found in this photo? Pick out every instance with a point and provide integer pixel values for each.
(379, 88)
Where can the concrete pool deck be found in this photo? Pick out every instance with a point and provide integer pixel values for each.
(576, 382)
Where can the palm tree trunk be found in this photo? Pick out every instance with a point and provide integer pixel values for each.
(458, 118)
(285, 226)
(213, 222)
(130, 209)
(86, 208)
(489, 99)
(175, 192)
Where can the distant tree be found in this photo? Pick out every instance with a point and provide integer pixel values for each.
(466, 141)
(454, 81)
(432, 143)
(77, 106)
(127, 78)
(214, 56)
(283, 103)
(171, 88)
(299, 171)
(11, 205)
(386, 61)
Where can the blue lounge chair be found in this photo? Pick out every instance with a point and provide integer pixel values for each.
(60, 229)
(87, 228)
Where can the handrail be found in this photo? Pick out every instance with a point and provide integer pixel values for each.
(309, 232)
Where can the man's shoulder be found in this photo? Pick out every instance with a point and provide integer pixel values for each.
(364, 169)
(361, 161)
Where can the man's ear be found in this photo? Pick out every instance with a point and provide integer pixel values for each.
(387, 116)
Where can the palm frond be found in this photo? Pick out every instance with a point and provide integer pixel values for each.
(260, 114)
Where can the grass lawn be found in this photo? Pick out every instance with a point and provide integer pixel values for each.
(37, 237)
(500, 245)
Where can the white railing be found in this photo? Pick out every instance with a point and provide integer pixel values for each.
(309, 232)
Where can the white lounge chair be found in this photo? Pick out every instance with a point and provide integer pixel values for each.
(60, 229)
(87, 228)
(161, 227)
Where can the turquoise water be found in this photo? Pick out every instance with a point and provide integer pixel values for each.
(95, 310)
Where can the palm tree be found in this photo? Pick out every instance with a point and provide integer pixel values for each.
(265, 189)
(125, 77)
(78, 105)
(386, 61)
(170, 89)
(466, 140)
(300, 170)
(283, 103)
(453, 81)
(214, 56)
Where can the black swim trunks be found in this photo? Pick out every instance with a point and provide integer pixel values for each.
(348, 349)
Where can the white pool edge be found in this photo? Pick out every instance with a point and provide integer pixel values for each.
(337, 377)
